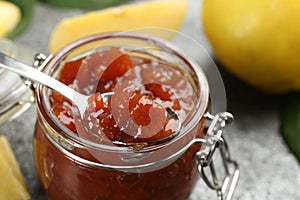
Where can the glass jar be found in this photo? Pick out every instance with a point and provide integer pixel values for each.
(72, 167)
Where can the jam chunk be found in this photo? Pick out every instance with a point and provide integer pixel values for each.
(143, 92)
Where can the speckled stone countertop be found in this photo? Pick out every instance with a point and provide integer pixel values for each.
(268, 169)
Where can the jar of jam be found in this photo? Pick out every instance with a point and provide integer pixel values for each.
(151, 138)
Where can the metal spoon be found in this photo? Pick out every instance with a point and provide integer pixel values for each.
(80, 100)
(31, 73)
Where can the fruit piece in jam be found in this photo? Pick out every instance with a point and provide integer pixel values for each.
(136, 112)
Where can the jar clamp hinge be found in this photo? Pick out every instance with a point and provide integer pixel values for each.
(204, 158)
(39, 59)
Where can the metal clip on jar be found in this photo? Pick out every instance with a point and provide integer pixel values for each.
(74, 167)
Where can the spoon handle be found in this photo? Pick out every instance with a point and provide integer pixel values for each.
(33, 74)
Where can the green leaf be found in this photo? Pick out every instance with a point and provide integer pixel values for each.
(290, 122)
(27, 9)
(84, 4)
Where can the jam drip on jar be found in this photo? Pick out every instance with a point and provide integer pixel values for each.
(143, 89)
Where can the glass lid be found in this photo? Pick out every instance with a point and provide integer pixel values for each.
(15, 96)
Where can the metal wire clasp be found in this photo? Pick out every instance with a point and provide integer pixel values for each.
(204, 158)
(39, 58)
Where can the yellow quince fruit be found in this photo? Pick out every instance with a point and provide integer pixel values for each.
(258, 41)
(12, 186)
(152, 15)
(10, 15)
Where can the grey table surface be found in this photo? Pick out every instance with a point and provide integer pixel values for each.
(268, 169)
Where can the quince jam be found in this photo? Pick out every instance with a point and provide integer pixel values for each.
(143, 91)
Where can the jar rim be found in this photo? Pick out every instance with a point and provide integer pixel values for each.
(201, 104)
